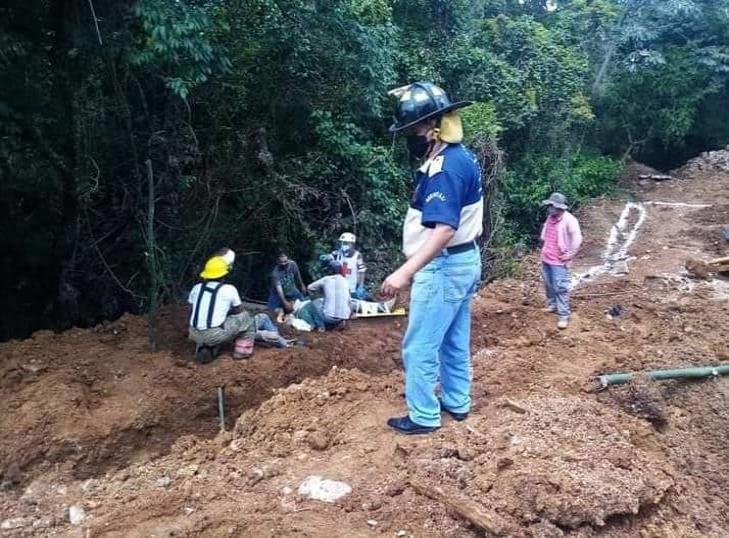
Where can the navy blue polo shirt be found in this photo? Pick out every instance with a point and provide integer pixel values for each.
(448, 191)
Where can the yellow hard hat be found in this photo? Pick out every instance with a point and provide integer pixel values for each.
(215, 267)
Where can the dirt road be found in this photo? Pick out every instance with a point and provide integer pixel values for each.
(126, 442)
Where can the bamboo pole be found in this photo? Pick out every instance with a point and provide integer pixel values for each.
(683, 373)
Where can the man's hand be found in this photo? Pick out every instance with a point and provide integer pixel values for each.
(437, 240)
(396, 282)
(288, 307)
(565, 257)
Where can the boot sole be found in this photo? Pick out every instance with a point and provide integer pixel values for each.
(419, 431)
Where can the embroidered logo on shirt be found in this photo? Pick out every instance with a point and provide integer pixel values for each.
(439, 195)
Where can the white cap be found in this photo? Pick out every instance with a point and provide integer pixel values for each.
(229, 257)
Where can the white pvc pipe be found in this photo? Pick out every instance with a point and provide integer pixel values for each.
(679, 204)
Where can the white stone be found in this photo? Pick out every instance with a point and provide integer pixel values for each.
(164, 482)
(321, 489)
(76, 515)
(14, 523)
(372, 522)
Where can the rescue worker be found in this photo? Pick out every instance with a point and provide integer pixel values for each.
(440, 234)
(286, 287)
(352, 265)
(335, 307)
(561, 237)
(217, 315)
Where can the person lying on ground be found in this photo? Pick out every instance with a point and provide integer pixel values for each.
(267, 331)
(562, 237)
(352, 265)
(334, 289)
(217, 315)
(310, 312)
(286, 286)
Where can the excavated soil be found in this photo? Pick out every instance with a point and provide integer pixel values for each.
(92, 420)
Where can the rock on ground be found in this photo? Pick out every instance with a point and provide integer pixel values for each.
(321, 489)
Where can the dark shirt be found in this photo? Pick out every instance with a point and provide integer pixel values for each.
(287, 277)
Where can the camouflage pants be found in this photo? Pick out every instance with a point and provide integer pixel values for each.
(234, 325)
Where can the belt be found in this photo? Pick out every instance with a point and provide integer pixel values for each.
(457, 249)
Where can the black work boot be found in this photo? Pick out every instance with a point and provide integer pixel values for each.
(204, 354)
(407, 427)
(455, 415)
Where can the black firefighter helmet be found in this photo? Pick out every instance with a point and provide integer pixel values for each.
(421, 101)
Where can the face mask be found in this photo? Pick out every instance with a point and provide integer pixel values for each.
(346, 248)
(418, 145)
(283, 265)
(551, 210)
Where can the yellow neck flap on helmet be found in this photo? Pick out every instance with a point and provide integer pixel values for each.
(450, 128)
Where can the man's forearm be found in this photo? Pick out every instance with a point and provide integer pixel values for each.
(280, 292)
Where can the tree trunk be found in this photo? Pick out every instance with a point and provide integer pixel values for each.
(64, 21)
(151, 258)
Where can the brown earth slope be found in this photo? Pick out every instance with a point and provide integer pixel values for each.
(91, 420)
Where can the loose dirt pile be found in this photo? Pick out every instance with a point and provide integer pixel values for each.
(709, 161)
(554, 462)
(99, 437)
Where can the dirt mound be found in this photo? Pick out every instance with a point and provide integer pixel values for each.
(567, 461)
(709, 161)
(308, 414)
(113, 401)
(636, 176)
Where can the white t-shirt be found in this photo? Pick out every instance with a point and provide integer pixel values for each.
(226, 298)
(335, 290)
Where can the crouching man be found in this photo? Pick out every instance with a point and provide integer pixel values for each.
(334, 288)
(218, 316)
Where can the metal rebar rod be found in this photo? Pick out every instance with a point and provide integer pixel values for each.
(221, 408)
(683, 373)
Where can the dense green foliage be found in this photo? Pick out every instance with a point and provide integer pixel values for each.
(138, 136)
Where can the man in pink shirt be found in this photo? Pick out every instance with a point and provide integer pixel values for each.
(561, 237)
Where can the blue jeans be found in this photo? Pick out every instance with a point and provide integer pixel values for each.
(264, 323)
(323, 320)
(557, 287)
(274, 301)
(361, 294)
(438, 338)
